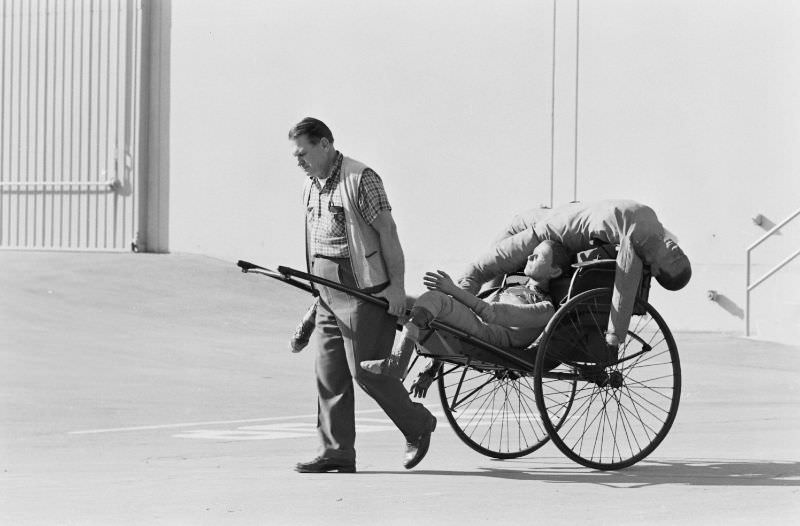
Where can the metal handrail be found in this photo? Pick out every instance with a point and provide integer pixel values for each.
(56, 183)
(111, 184)
(775, 269)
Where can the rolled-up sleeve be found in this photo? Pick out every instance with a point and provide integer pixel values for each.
(507, 256)
(626, 283)
(372, 196)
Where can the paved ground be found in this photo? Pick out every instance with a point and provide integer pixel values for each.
(145, 389)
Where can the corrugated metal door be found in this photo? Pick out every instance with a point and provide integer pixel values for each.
(69, 107)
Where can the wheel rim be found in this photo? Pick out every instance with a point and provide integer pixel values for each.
(492, 409)
(622, 408)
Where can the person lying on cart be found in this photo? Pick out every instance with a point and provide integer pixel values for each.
(513, 317)
(579, 227)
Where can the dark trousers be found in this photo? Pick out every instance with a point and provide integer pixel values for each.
(348, 331)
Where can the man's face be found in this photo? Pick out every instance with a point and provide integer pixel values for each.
(311, 158)
(540, 263)
(671, 261)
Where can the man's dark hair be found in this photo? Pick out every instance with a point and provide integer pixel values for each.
(312, 128)
(562, 258)
(676, 282)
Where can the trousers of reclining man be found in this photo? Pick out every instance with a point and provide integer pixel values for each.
(632, 225)
(512, 317)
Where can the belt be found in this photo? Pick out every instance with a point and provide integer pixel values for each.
(332, 258)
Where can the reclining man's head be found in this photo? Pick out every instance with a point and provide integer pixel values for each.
(548, 260)
(671, 267)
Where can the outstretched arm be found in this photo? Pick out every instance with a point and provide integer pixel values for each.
(626, 283)
(506, 256)
(394, 260)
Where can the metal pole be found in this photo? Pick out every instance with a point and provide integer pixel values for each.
(775, 269)
(773, 230)
(747, 298)
(577, 71)
(142, 117)
(553, 108)
(111, 183)
(780, 265)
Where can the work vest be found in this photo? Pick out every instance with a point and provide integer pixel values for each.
(363, 242)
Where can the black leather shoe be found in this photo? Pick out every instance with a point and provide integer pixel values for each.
(418, 447)
(324, 465)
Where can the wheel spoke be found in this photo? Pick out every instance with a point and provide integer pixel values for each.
(496, 412)
(620, 411)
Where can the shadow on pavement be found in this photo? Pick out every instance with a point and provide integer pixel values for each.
(690, 472)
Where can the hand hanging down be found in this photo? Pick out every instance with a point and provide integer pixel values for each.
(419, 389)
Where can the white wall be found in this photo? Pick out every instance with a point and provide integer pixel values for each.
(691, 107)
(694, 107)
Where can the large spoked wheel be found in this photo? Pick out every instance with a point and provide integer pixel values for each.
(623, 405)
(491, 408)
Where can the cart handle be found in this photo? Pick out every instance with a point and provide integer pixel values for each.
(381, 302)
(288, 275)
(246, 267)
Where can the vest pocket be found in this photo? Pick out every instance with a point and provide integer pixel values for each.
(338, 214)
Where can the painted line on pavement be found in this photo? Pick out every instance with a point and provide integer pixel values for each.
(214, 423)
(281, 430)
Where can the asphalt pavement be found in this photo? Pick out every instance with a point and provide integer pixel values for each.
(159, 389)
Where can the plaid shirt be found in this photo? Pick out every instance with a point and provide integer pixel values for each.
(325, 211)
